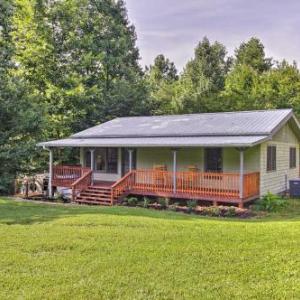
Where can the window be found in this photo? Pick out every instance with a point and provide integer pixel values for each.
(106, 160)
(100, 159)
(112, 160)
(292, 157)
(271, 158)
(213, 160)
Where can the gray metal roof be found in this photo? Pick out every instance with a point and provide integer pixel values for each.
(206, 141)
(207, 124)
(234, 129)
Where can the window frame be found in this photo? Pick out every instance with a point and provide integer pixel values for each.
(206, 162)
(293, 157)
(106, 155)
(272, 159)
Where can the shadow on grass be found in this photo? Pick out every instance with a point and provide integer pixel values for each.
(14, 212)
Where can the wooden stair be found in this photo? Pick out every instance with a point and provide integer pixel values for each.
(95, 195)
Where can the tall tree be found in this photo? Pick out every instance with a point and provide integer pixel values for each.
(162, 70)
(161, 78)
(80, 57)
(203, 78)
(20, 123)
(252, 53)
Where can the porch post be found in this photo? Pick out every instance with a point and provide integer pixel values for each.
(241, 172)
(174, 169)
(92, 151)
(130, 151)
(50, 192)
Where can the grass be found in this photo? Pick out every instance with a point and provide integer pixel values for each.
(70, 252)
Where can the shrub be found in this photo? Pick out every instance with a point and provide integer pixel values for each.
(230, 212)
(270, 203)
(191, 204)
(213, 211)
(146, 202)
(173, 206)
(163, 202)
(132, 201)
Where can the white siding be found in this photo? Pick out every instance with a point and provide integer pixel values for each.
(277, 181)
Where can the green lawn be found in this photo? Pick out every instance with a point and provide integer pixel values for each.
(65, 252)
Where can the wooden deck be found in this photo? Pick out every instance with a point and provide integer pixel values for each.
(214, 187)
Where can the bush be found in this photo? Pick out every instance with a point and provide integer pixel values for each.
(173, 207)
(213, 211)
(191, 204)
(230, 212)
(270, 203)
(163, 202)
(146, 202)
(132, 201)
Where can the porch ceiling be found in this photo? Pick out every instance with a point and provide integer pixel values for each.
(204, 141)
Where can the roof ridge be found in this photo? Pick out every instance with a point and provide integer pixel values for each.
(207, 113)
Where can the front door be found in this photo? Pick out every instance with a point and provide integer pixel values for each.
(125, 160)
(213, 160)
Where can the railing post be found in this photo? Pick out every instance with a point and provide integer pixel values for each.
(241, 173)
(50, 192)
(73, 194)
(92, 151)
(130, 151)
(174, 170)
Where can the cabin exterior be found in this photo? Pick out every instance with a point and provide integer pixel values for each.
(220, 157)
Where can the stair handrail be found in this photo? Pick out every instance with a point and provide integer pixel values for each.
(81, 183)
(120, 186)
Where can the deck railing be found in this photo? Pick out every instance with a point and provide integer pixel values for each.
(66, 175)
(192, 184)
(81, 183)
(122, 186)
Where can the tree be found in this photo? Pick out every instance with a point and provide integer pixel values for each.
(20, 120)
(252, 54)
(161, 78)
(162, 70)
(80, 57)
(247, 89)
(203, 78)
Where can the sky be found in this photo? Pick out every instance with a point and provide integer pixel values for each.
(174, 27)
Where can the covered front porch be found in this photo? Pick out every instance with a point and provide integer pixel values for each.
(164, 173)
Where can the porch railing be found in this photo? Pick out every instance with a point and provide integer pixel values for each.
(66, 175)
(81, 183)
(193, 184)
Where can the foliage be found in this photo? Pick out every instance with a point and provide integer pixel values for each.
(203, 78)
(231, 211)
(252, 54)
(191, 204)
(132, 201)
(70, 64)
(163, 202)
(113, 241)
(80, 58)
(270, 203)
(161, 78)
(146, 202)
(21, 121)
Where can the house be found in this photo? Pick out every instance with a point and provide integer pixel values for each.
(231, 157)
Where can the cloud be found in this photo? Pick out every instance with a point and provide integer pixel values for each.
(174, 27)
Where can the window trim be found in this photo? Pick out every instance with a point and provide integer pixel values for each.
(294, 165)
(273, 168)
(106, 150)
(206, 161)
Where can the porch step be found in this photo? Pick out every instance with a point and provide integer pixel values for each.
(100, 187)
(95, 195)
